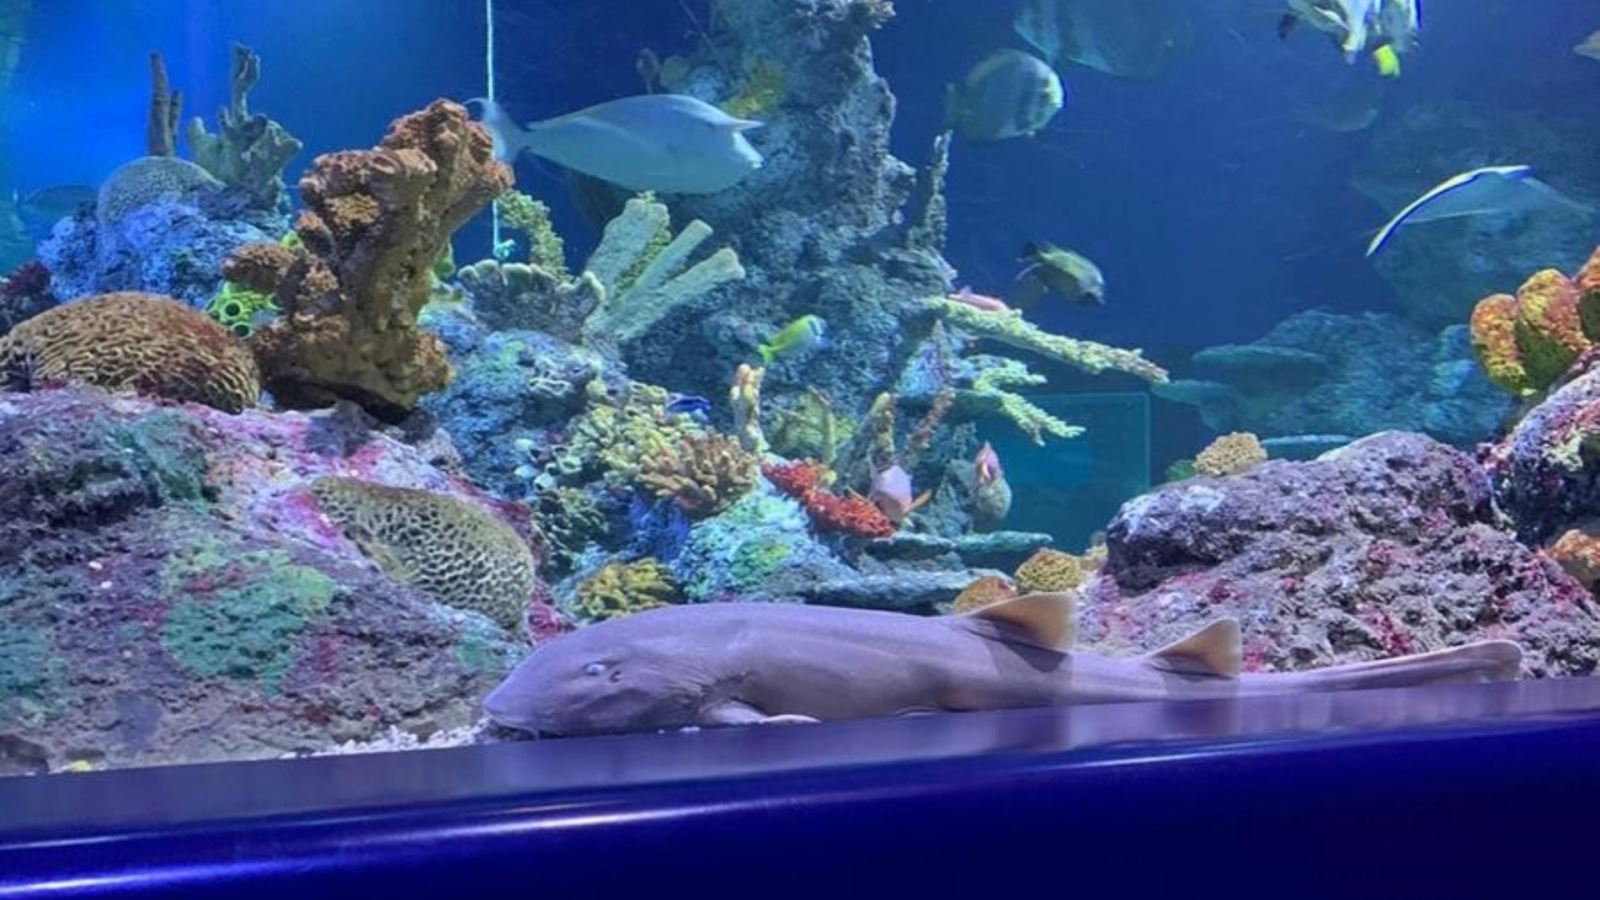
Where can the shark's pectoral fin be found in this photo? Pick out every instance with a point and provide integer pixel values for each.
(789, 719)
(1213, 650)
(738, 712)
(1046, 619)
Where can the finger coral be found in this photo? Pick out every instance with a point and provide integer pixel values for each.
(1526, 342)
(455, 552)
(704, 474)
(1230, 455)
(621, 589)
(851, 515)
(133, 342)
(375, 222)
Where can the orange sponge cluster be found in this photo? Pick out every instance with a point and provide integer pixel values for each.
(1528, 341)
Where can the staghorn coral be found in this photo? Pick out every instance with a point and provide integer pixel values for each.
(1052, 570)
(1230, 454)
(132, 342)
(704, 474)
(993, 383)
(452, 551)
(1011, 329)
(1525, 343)
(985, 591)
(249, 151)
(375, 222)
(852, 515)
(621, 589)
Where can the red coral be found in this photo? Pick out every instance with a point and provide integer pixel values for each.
(853, 515)
(30, 279)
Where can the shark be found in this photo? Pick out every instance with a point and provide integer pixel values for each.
(737, 663)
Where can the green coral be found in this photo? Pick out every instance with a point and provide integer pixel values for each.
(546, 250)
(1011, 329)
(760, 91)
(621, 589)
(994, 383)
(238, 614)
(614, 437)
(238, 308)
(569, 520)
(157, 448)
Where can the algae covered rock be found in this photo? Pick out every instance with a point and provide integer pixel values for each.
(1382, 548)
(170, 591)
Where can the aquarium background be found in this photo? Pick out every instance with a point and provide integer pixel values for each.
(1227, 201)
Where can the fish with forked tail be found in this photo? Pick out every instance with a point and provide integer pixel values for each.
(761, 663)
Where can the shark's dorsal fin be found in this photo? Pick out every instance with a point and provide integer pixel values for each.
(1046, 619)
(1213, 650)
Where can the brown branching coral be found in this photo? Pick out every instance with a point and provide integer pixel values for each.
(704, 474)
(375, 222)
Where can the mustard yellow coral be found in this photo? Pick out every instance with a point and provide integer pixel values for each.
(1230, 454)
(140, 343)
(1049, 570)
(704, 473)
(449, 549)
(621, 589)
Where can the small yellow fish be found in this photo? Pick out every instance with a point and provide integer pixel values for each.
(805, 333)
(1388, 61)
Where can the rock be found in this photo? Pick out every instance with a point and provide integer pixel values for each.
(169, 592)
(905, 591)
(1000, 549)
(1380, 548)
(1545, 469)
(1380, 372)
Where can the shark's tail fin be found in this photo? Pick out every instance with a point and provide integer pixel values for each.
(1471, 664)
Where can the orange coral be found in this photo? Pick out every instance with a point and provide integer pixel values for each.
(985, 591)
(374, 224)
(1527, 342)
(1578, 552)
(851, 515)
(132, 342)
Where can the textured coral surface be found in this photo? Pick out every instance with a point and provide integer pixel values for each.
(132, 342)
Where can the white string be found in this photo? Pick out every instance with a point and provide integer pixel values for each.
(488, 58)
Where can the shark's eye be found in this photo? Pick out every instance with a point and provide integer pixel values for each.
(594, 669)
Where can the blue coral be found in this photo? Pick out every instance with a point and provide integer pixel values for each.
(762, 544)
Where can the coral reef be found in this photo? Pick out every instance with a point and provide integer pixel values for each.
(131, 342)
(1528, 341)
(453, 551)
(238, 309)
(852, 515)
(1384, 547)
(569, 520)
(1322, 373)
(620, 589)
(24, 294)
(250, 150)
(744, 399)
(375, 222)
(762, 543)
(1578, 554)
(704, 474)
(546, 250)
(1048, 571)
(1230, 454)
(1544, 470)
(986, 591)
(171, 594)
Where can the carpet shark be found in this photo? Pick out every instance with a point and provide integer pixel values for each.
(763, 663)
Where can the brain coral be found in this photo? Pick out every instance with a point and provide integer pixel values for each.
(455, 552)
(147, 180)
(132, 342)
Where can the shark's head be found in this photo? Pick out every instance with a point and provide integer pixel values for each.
(627, 674)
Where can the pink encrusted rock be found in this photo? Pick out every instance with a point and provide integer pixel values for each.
(1381, 548)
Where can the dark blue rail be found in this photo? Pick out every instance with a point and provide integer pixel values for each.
(1447, 792)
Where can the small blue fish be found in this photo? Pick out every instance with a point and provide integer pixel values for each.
(688, 405)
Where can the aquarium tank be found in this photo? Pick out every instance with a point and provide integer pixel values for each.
(404, 375)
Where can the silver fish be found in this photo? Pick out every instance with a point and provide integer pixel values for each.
(1009, 94)
(1135, 39)
(669, 143)
(745, 663)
